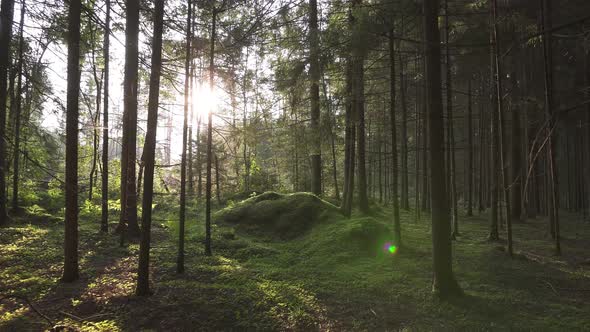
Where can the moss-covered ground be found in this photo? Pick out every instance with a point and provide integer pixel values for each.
(335, 276)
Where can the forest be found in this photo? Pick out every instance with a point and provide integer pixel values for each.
(294, 165)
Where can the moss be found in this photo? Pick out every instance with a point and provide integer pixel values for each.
(285, 216)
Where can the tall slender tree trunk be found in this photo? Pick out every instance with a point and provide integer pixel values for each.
(149, 153)
(470, 169)
(481, 156)
(6, 15)
(444, 283)
(380, 157)
(349, 143)
(104, 224)
(587, 139)
(210, 140)
(199, 160)
(450, 134)
(190, 175)
(95, 120)
(393, 124)
(516, 204)
(128, 224)
(551, 143)
(70, 272)
(426, 200)
(494, 138)
(361, 153)
(405, 204)
(187, 78)
(17, 115)
(501, 124)
(417, 146)
(217, 179)
(332, 122)
(314, 71)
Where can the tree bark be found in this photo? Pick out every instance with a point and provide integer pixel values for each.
(444, 283)
(210, 140)
(450, 134)
(404, 201)
(361, 153)
(95, 119)
(314, 71)
(494, 138)
(104, 225)
(6, 16)
(332, 122)
(149, 153)
(393, 124)
(501, 124)
(217, 177)
(349, 144)
(470, 169)
(17, 115)
(70, 272)
(128, 223)
(551, 143)
(183, 162)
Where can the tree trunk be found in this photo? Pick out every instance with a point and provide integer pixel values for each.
(190, 175)
(314, 71)
(444, 283)
(417, 146)
(187, 78)
(104, 225)
(210, 141)
(450, 134)
(393, 123)
(70, 272)
(149, 153)
(482, 151)
(587, 139)
(17, 115)
(349, 144)
(6, 15)
(360, 113)
(551, 143)
(494, 139)
(516, 168)
(217, 191)
(470, 169)
(501, 127)
(405, 204)
(332, 122)
(95, 119)
(128, 224)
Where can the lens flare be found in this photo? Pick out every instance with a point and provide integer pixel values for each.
(388, 247)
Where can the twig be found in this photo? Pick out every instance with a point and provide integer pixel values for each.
(550, 285)
(76, 318)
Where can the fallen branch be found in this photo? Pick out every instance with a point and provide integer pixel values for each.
(550, 285)
(26, 300)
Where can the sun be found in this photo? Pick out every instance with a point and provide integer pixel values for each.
(204, 99)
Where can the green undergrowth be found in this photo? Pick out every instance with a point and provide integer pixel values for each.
(334, 274)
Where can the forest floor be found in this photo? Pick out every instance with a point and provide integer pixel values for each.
(313, 282)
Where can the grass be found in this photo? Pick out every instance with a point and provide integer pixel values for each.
(335, 276)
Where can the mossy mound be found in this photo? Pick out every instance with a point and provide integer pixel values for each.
(285, 216)
(348, 239)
